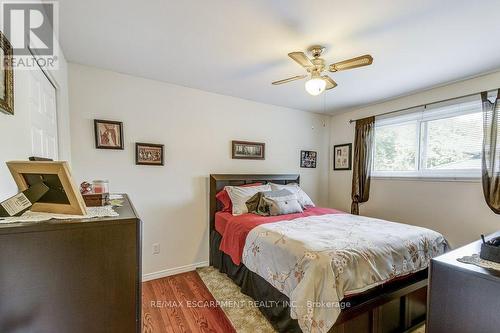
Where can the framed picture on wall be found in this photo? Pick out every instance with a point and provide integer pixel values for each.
(149, 154)
(308, 159)
(248, 150)
(6, 76)
(108, 134)
(342, 157)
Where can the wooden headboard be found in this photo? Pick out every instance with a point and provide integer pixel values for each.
(217, 183)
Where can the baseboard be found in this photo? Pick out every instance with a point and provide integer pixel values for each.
(173, 271)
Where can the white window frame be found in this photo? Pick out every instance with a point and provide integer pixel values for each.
(422, 115)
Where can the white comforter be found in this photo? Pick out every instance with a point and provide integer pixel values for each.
(318, 260)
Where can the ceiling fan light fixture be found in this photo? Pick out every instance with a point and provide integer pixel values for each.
(315, 86)
(315, 67)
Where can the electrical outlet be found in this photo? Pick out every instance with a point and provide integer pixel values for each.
(156, 248)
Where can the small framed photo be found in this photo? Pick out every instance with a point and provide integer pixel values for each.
(63, 197)
(342, 157)
(108, 134)
(6, 76)
(149, 154)
(308, 159)
(249, 150)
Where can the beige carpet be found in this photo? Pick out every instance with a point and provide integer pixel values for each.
(239, 308)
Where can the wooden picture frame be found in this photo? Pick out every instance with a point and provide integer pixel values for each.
(63, 196)
(342, 157)
(308, 159)
(247, 150)
(6, 76)
(147, 154)
(108, 134)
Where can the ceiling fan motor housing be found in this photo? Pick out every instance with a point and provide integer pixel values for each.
(316, 50)
(319, 65)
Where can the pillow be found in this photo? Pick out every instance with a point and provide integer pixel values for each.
(302, 196)
(274, 203)
(239, 195)
(224, 199)
(254, 202)
(282, 205)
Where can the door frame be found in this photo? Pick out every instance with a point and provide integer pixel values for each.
(52, 80)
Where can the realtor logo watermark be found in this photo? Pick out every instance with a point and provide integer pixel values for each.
(32, 29)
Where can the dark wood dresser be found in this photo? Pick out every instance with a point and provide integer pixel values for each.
(463, 298)
(72, 276)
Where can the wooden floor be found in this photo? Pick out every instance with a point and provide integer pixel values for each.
(181, 303)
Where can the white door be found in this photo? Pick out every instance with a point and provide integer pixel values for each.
(43, 114)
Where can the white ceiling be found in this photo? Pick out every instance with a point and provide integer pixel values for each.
(238, 47)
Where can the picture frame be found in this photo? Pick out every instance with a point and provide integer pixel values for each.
(308, 159)
(108, 134)
(149, 154)
(247, 150)
(6, 76)
(63, 196)
(342, 157)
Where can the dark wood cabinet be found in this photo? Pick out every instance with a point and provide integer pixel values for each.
(72, 275)
(463, 298)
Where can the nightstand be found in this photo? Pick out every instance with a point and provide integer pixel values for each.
(463, 298)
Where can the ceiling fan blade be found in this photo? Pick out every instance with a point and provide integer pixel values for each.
(301, 59)
(290, 79)
(330, 84)
(363, 60)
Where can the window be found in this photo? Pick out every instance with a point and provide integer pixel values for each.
(438, 140)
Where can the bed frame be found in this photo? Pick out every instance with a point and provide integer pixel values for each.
(398, 306)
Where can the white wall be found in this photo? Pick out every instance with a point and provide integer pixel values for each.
(15, 132)
(456, 209)
(196, 128)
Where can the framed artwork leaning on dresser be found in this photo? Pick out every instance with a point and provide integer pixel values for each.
(63, 197)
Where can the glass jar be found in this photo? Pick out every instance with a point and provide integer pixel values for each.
(100, 186)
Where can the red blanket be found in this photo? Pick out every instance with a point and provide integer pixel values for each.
(236, 229)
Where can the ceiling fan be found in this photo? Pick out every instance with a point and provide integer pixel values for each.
(317, 82)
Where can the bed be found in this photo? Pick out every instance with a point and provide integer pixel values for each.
(252, 252)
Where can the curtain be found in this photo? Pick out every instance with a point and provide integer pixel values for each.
(491, 152)
(362, 163)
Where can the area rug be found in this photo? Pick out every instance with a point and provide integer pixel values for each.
(239, 308)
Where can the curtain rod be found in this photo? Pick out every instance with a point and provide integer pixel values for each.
(424, 105)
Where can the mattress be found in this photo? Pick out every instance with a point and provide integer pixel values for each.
(278, 313)
(234, 229)
(221, 220)
(318, 260)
